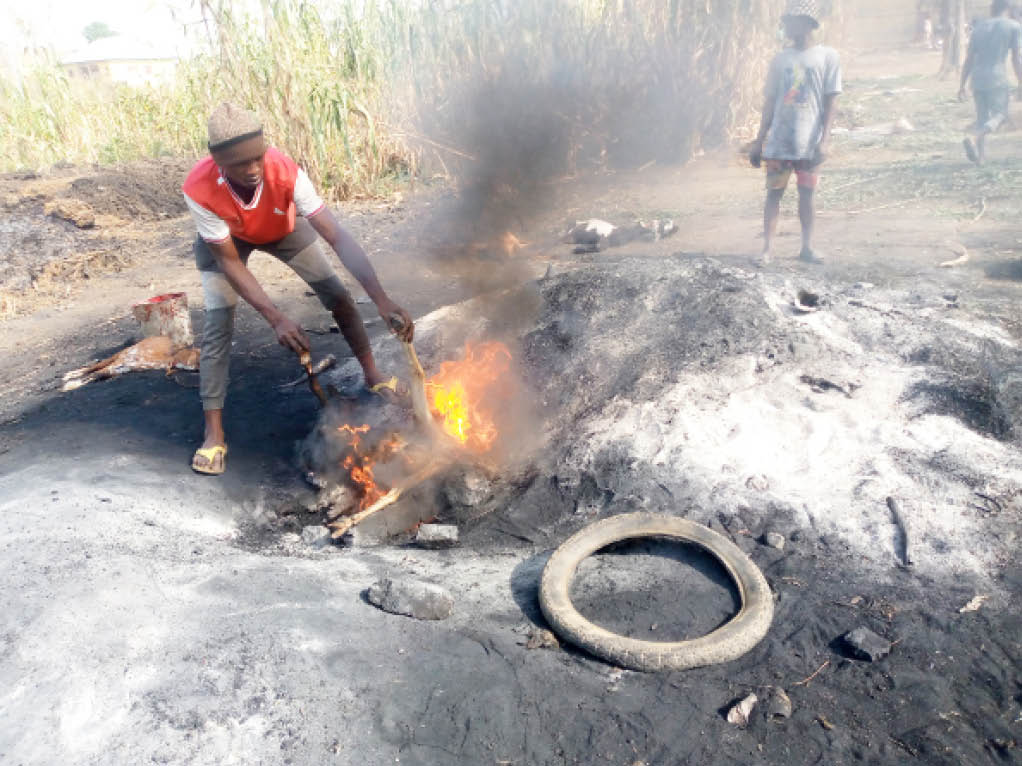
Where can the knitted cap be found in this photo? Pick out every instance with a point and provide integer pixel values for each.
(810, 8)
(230, 124)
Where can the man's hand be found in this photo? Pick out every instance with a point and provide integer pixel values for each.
(290, 335)
(822, 151)
(755, 150)
(387, 307)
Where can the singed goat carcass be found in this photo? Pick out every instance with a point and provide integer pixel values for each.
(156, 353)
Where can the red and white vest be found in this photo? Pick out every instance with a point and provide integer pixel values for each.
(269, 217)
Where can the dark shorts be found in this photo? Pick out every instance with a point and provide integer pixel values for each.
(992, 108)
(300, 250)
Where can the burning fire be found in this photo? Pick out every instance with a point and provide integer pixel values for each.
(464, 396)
(359, 463)
(459, 394)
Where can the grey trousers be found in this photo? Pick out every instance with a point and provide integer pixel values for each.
(301, 251)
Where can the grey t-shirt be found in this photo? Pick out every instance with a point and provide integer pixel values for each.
(796, 86)
(992, 40)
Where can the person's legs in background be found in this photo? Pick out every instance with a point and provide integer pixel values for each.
(778, 173)
(808, 180)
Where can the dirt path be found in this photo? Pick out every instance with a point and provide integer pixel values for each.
(150, 616)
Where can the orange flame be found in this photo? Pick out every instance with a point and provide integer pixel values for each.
(460, 394)
(360, 467)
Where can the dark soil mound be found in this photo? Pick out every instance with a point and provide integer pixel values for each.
(144, 190)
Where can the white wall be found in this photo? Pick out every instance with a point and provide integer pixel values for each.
(135, 73)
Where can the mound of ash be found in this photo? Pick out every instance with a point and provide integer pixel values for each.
(588, 338)
(685, 386)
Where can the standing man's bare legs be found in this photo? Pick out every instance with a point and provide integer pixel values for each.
(807, 217)
(771, 214)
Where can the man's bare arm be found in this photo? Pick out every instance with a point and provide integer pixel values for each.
(829, 113)
(357, 262)
(244, 283)
(767, 121)
(755, 149)
(1016, 61)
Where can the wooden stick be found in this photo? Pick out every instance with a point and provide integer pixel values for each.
(342, 526)
(902, 524)
(306, 361)
(960, 260)
(819, 670)
(420, 405)
(321, 366)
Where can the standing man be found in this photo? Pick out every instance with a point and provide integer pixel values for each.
(801, 91)
(246, 196)
(992, 41)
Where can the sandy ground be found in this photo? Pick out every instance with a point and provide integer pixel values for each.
(150, 616)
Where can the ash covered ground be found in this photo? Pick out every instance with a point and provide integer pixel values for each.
(689, 387)
(150, 617)
(156, 619)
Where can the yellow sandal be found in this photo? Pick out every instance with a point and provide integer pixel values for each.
(388, 390)
(211, 454)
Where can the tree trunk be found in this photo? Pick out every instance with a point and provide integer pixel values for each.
(955, 37)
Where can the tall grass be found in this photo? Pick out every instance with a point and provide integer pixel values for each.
(367, 92)
(46, 118)
(320, 86)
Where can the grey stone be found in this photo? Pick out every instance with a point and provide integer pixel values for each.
(778, 704)
(331, 496)
(357, 538)
(317, 536)
(774, 540)
(867, 645)
(421, 600)
(336, 498)
(468, 488)
(540, 638)
(436, 536)
(741, 711)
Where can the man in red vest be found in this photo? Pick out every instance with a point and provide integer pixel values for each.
(247, 196)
